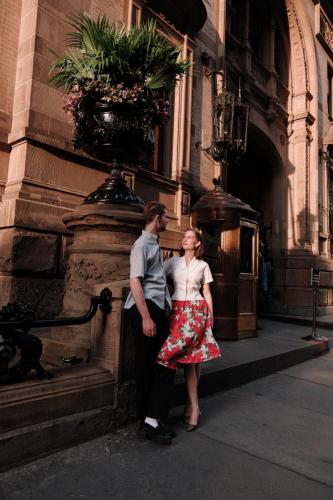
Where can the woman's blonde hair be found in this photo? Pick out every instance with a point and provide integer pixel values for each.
(198, 251)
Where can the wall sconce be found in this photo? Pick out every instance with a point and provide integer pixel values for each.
(230, 127)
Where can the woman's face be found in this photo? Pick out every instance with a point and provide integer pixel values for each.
(190, 241)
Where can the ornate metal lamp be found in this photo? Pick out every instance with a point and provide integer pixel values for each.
(230, 125)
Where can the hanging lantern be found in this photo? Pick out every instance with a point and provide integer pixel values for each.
(230, 124)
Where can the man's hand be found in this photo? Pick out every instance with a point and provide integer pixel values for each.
(148, 327)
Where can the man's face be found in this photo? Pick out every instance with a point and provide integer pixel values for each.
(162, 221)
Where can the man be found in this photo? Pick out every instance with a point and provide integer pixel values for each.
(148, 304)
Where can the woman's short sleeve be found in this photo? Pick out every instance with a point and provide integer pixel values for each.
(207, 275)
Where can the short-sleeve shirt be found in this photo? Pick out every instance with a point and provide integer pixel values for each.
(147, 263)
(187, 279)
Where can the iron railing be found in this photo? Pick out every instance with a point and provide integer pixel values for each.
(20, 351)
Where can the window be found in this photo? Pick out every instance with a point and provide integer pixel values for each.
(281, 58)
(213, 250)
(330, 92)
(234, 18)
(133, 12)
(246, 249)
(136, 14)
(160, 161)
(258, 30)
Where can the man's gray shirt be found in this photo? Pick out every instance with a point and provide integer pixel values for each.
(147, 263)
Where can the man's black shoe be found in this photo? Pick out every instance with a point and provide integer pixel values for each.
(167, 429)
(157, 434)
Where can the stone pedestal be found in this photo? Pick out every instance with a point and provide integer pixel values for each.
(103, 237)
(111, 342)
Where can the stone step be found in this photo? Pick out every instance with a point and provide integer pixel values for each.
(29, 443)
(73, 389)
(325, 322)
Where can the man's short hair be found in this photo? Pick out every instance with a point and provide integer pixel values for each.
(152, 209)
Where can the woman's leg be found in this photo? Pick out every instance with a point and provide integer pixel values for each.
(188, 406)
(192, 384)
(198, 371)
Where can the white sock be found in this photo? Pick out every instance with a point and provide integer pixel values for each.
(151, 421)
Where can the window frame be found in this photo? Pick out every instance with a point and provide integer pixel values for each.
(179, 147)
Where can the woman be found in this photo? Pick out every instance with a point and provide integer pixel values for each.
(191, 339)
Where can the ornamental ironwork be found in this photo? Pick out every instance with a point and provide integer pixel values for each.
(20, 351)
(230, 128)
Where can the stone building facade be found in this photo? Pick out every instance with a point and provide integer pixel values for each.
(278, 55)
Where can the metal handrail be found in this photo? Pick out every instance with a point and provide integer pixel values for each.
(17, 344)
(102, 301)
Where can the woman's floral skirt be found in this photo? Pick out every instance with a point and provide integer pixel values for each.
(191, 338)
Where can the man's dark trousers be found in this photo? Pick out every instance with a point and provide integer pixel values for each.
(154, 382)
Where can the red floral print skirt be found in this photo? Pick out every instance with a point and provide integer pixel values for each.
(191, 338)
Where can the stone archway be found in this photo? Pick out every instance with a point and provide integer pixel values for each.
(259, 180)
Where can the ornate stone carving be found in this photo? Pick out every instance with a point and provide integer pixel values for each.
(83, 274)
(325, 33)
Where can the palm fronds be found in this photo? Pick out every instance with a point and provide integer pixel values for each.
(98, 51)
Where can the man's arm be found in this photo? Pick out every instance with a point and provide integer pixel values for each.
(148, 325)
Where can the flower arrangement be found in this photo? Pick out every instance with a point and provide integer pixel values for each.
(138, 68)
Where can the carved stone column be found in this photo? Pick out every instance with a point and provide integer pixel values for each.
(103, 237)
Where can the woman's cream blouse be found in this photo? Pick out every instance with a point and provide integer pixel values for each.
(187, 280)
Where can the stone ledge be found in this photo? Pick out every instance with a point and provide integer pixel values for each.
(73, 389)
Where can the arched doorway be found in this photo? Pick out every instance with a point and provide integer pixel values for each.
(258, 180)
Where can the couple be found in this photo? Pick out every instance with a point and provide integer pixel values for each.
(163, 339)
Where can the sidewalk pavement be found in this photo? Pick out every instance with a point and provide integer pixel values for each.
(269, 439)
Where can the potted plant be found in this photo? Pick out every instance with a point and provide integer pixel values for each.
(117, 85)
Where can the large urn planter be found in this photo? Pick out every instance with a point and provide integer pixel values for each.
(121, 132)
(116, 134)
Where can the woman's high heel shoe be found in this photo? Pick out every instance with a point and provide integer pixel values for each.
(191, 427)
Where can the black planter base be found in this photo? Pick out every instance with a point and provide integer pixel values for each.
(115, 190)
